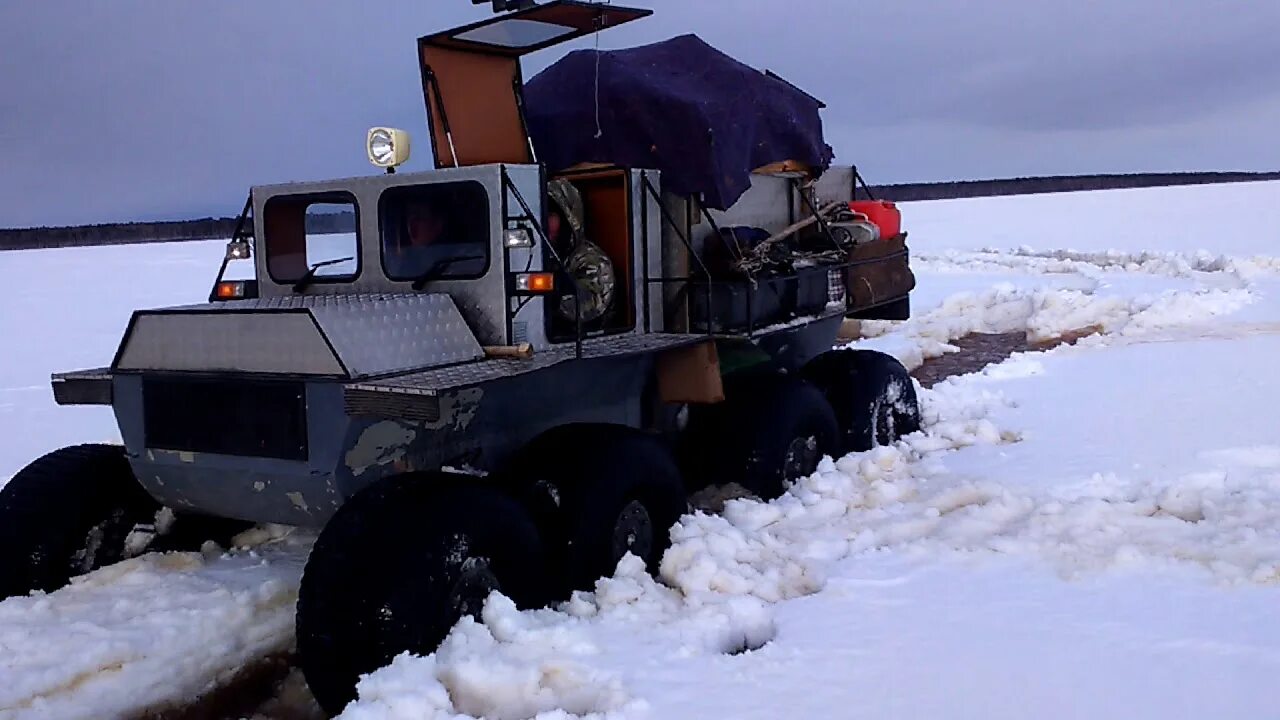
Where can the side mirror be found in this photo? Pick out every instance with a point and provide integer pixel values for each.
(238, 249)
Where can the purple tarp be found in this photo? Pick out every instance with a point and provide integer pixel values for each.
(680, 106)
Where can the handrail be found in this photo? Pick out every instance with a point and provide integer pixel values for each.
(747, 283)
(823, 227)
(235, 235)
(560, 264)
(666, 216)
(857, 178)
(715, 230)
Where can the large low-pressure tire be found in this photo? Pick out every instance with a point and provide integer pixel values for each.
(872, 394)
(66, 514)
(598, 492)
(770, 431)
(398, 565)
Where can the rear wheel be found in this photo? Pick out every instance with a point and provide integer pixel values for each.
(872, 393)
(398, 565)
(68, 513)
(771, 431)
(599, 492)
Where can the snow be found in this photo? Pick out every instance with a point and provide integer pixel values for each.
(1240, 219)
(67, 310)
(144, 633)
(1087, 530)
(155, 630)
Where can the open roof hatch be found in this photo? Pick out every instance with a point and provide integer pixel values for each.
(472, 83)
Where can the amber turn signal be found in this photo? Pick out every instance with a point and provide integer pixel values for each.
(230, 290)
(535, 282)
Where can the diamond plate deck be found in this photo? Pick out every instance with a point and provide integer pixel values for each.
(432, 382)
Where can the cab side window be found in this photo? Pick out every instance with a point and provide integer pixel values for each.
(303, 231)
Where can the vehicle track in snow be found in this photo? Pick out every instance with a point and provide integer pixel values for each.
(976, 352)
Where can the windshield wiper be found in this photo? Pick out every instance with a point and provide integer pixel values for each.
(440, 267)
(310, 275)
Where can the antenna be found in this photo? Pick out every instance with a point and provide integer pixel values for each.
(501, 6)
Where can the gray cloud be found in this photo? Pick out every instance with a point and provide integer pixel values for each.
(138, 109)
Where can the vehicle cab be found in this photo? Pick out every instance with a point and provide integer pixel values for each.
(474, 228)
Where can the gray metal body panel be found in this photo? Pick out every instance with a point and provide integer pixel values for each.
(479, 300)
(473, 426)
(530, 322)
(478, 427)
(772, 203)
(395, 380)
(254, 342)
(350, 336)
(836, 184)
(248, 488)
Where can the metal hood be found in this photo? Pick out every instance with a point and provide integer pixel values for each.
(340, 336)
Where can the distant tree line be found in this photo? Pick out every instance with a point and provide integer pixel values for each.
(326, 223)
(149, 232)
(116, 233)
(906, 192)
(213, 228)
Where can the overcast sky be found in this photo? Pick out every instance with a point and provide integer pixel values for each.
(128, 110)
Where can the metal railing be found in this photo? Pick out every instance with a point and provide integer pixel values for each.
(561, 269)
(748, 285)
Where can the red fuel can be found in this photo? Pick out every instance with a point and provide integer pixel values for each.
(883, 213)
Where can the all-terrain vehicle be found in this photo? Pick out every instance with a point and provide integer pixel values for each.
(622, 282)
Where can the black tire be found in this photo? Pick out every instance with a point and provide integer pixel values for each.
(598, 492)
(770, 431)
(872, 393)
(66, 514)
(398, 565)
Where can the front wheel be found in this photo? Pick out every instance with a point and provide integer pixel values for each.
(398, 565)
(68, 513)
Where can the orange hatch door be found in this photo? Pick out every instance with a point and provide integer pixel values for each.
(472, 84)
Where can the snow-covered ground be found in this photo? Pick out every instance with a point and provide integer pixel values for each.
(1088, 531)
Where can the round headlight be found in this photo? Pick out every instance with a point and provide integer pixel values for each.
(388, 147)
(380, 146)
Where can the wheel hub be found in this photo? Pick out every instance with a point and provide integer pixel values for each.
(883, 430)
(475, 582)
(801, 459)
(633, 532)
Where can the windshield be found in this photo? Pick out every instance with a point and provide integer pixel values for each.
(306, 232)
(438, 231)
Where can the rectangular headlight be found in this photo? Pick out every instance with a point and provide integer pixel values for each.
(518, 238)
